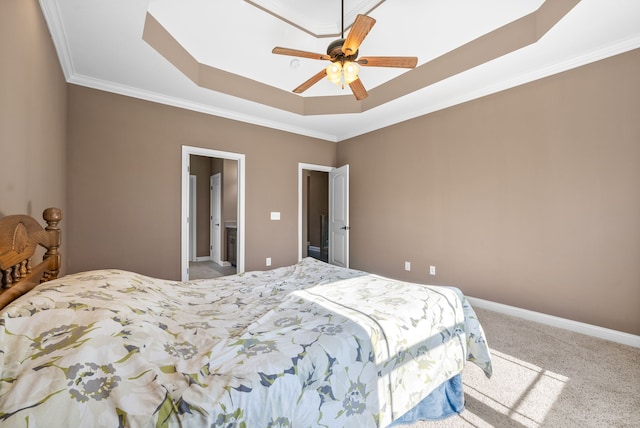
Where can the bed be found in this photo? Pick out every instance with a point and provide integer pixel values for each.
(307, 345)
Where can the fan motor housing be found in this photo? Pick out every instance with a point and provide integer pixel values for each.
(335, 52)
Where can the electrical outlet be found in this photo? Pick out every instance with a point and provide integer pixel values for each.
(432, 270)
(407, 266)
(268, 261)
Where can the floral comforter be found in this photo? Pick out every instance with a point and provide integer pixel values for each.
(309, 345)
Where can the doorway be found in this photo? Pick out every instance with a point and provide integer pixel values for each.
(315, 217)
(213, 215)
(323, 213)
(204, 164)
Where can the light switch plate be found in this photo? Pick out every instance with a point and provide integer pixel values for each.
(275, 215)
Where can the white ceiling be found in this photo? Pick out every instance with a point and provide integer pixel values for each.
(100, 45)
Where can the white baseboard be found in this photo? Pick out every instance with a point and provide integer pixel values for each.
(313, 248)
(202, 259)
(578, 327)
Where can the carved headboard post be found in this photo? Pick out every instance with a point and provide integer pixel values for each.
(52, 216)
(20, 237)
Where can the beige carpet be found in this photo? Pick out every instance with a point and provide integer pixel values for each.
(208, 269)
(548, 377)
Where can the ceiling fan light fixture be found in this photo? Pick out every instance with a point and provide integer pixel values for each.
(334, 73)
(342, 74)
(343, 54)
(350, 71)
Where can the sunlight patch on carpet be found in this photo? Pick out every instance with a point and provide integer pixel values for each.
(526, 396)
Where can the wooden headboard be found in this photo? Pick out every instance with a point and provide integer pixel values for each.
(20, 236)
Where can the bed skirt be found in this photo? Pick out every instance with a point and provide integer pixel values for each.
(446, 400)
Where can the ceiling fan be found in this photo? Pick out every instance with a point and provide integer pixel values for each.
(343, 54)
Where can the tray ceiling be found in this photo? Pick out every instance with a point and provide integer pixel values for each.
(215, 57)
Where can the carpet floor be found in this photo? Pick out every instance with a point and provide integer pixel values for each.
(209, 269)
(548, 377)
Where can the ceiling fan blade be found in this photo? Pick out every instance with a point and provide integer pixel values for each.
(358, 89)
(295, 52)
(358, 32)
(309, 83)
(389, 61)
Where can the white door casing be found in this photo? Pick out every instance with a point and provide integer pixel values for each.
(339, 216)
(187, 151)
(215, 218)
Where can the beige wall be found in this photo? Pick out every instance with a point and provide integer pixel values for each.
(120, 218)
(529, 197)
(32, 114)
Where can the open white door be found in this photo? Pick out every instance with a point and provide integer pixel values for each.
(215, 218)
(339, 216)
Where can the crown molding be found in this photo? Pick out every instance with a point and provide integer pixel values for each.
(441, 104)
(52, 16)
(155, 97)
(392, 116)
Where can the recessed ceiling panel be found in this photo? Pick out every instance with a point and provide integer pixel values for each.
(318, 18)
(238, 36)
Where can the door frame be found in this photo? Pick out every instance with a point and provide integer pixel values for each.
(301, 167)
(184, 225)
